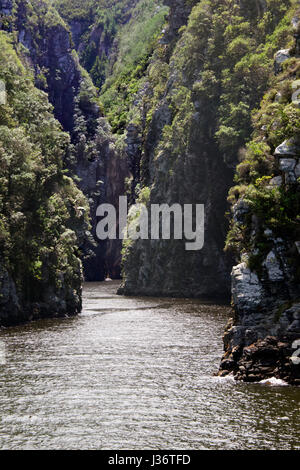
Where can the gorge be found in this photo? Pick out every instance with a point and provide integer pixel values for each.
(165, 102)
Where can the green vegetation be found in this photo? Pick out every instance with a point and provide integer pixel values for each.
(76, 10)
(191, 88)
(136, 42)
(99, 22)
(42, 213)
(226, 56)
(196, 116)
(275, 208)
(117, 39)
(38, 14)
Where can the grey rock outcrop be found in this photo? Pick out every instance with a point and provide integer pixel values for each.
(288, 160)
(240, 209)
(276, 181)
(247, 292)
(288, 148)
(259, 339)
(287, 164)
(134, 152)
(280, 57)
(273, 267)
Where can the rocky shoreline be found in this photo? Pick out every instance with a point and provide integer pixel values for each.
(262, 360)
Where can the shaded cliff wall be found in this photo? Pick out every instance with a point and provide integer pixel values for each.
(92, 156)
(195, 115)
(43, 215)
(102, 34)
(49, 50)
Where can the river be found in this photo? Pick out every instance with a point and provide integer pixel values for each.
(135, 373)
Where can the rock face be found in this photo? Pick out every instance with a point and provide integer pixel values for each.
(247, 291)
(266, 358)
(94, 33)
(259, 339)
(55, 302)
(288, 148)
(196, 172)
(190, 147)
(9, 303)
(288, 160)
(262, 339)
(280, 57)
(74, 98)
(118, 170)
(43, 215)
(52, 56)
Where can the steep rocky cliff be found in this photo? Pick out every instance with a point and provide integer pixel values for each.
(95, 25)
(43, 215)
(194, 115)
(265, 229)
(93, 156)
(182, 102)
(48, 49)
(125, 32)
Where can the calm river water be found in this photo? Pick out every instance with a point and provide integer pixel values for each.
(135, 373)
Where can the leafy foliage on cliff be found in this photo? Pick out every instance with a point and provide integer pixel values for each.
(272, 198)
(76, 10)
(42, 214)
(196, 117)
(98, 23)
(221, 66)
(135, 44)
(116, 41)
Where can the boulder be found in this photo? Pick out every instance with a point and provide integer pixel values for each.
(276, 181)
(287, 164)
(288, 148)
(290, 178)
(280, 57)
